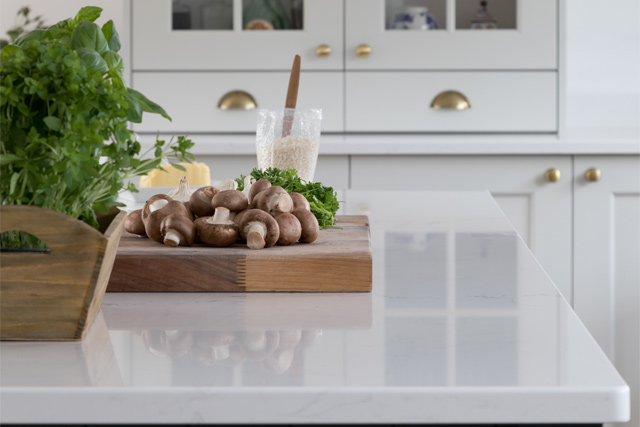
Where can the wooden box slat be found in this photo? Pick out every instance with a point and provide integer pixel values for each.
(339, 261)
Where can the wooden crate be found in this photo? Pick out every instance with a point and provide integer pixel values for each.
(55, 295)
(339, 261)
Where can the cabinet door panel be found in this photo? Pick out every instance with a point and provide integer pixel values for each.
(500, 102)
(540, 210)
(191, 99)
(157, 47)
(607, 261)
(531, 46)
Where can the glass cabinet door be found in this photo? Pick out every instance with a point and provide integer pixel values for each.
(237, 34)
(451, 34)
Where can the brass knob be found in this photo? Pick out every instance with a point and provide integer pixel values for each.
(450, 100)
(323, 50)
(593, 174)
(363, 50)
(237, 100)
(552, 175)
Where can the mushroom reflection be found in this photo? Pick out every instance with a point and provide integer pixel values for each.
(273, 351)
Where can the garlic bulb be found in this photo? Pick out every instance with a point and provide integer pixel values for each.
(247, 185)
(182, 192)
(229, 184)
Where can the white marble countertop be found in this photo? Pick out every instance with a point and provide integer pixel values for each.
(462, 326)
(406, 144)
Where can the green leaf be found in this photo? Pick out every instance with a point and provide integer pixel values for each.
(147, 105)
(87, 34)
(8, 158)
(179, 167)
(60, 29)
(134, 110)
(114, 62)
(53, 123)
(31, 35)
(14, 181)
(87, 13)
(112, 36)
(92, 59)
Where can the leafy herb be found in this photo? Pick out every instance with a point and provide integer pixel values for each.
(323, 200)
(23, 22)
(64, 114)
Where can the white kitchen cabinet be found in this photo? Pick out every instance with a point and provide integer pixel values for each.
(157, 46)
(526, 40)
(607, 260)
(192, 99)
(374, 101)
(539, 210)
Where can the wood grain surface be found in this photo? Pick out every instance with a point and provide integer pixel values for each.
(339, 261)
(54, 295)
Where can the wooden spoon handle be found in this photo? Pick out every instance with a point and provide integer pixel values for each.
(292, 97)
(294, 82)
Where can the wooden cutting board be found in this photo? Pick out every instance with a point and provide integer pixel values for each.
(339, 261)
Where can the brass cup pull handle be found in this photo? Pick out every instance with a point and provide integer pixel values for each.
(323, 51)
(237, 100)
(552, 175)
(363, 51)
(450, 100)
(593, 175)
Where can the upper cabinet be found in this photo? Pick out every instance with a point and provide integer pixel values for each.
(223, 35)
(451, 35)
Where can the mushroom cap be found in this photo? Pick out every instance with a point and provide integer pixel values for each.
(219, 235)
(200, 201)
(234, 200)
(257, 187)
(299, 201)
(273, 232)
(181, 225)
(290, 229)
(133, 223)
(239, 216)
(145, 209)
(152, 222)
(309, 223)
(264, 198)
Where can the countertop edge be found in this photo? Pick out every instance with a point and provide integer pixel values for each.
(361, 405)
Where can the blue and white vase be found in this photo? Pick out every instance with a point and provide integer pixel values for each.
(414, 18)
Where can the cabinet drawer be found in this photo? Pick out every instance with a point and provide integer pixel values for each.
(191, 99)
(500, 102)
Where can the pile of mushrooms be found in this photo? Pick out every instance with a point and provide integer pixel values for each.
(262, 216)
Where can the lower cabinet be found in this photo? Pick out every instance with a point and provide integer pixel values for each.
(539, 209)
(607, 260)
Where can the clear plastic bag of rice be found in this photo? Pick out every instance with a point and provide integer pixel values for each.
(289, 139)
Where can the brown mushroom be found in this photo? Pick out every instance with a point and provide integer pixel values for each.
(133, 223)
(274, 200)
(259, 229)
(219, 342)
(200, 200)
(309, 224)
(216, 234)
(229, 201)
(258, 187)
(290, 229)
(177, 229)
(154, 203)
(239, 216)
(154, 219)
(220, 230)
(299, 201)
(258, 345)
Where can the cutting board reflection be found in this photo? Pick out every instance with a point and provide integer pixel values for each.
(339, 261)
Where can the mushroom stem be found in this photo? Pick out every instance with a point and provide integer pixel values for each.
(221, 216)
(172, 238)
(255, 232)
(280, 203)
(221, 352)
(158, 204)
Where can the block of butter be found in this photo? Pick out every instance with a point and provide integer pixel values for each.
(197, 173)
